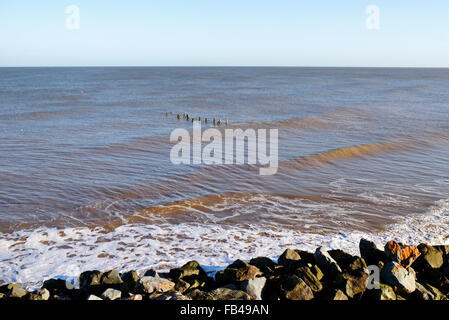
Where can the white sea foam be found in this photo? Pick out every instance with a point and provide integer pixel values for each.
(31, 256)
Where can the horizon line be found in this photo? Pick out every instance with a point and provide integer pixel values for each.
(221, 66)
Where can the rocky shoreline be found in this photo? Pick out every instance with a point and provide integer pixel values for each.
(394, 272)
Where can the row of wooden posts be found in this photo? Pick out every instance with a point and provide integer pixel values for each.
(187, 117)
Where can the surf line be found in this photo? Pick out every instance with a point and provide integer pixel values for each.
(212, 153)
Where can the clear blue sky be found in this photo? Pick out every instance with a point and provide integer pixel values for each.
(412, 33)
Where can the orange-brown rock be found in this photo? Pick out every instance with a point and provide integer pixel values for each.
(405, 255)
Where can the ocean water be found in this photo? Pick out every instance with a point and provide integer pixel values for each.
(86, 179)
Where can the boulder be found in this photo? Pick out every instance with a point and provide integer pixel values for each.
(326, 263)
(228, 294)
(346, 261)
(306, 274)
(90, 278)
(266, 265)
(41, 294)
(193, 276)
(188, 269)
(93, 297)
(238, 271)
(111, 277)
(153, 284)
(111, 294)
(333, 294)
(254, 287)
(196, 282)
(404, 255)
(445, 251)
(57, 286)
(430, 257)
(316, 271)
(400, 278)
(421, 293)
(130, 277)
(354, 283)
(16, 293)
(437, 294)
(182, 286)
(382, 292)
(434, 277)
(289, 258)
(371, 252)
(339, 295)
(7, 287)
(294, 288)
(306, 257)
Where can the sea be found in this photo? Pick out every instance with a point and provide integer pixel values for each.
(87, 181)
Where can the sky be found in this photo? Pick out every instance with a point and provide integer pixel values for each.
(412, 33)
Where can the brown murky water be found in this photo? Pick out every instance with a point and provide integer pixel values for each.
(85, 152)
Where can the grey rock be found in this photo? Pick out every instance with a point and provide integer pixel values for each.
(254, 287)
(152, 284)
(326, 263)
(111, 294)
(398, 277)
(93, 297)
